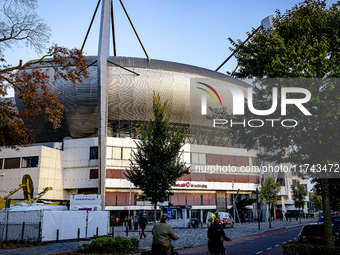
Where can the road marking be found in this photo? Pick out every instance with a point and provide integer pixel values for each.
(259, 252)
(277, 245)
(284, 242)
(269, 248)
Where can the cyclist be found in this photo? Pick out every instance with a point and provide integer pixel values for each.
(216, 236)
(162, 233)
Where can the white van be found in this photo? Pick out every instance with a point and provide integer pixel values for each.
(226, 219)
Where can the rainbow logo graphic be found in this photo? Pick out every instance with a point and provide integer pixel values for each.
(209, 93)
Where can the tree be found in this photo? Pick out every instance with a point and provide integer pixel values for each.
(156, 164)
(21, 24)
(268, 193)
(334, 190)
(317, 202)
(31, 81)
(304, 43)
(299, 194)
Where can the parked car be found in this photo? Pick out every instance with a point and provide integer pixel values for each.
(314, 232)
(335, 221)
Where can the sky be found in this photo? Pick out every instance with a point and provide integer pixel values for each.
(193, 32)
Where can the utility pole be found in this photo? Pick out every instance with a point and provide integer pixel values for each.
(258, 207)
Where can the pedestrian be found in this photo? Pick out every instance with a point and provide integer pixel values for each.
(162, 233)
(142, 223)
(216, 236)
(213, 216)
(130, 222)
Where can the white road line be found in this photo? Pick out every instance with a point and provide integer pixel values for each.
(259, 252)
(269, 248)
(277, 245)
(284, 242)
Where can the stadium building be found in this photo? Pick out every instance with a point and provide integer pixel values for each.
(66, 159)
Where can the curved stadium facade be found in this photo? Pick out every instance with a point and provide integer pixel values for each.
(130, 100)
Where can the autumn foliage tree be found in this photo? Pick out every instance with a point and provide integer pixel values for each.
(31, 81)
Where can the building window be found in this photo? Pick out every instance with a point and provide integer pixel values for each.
(109, 152)
(116, 153)
(282, 181)
(94, 152)
(12, 163)
(93, 173)
(186, 157)
(126, 153)
(30, 162)
(194, 158)
(294, 182)
(202, 158)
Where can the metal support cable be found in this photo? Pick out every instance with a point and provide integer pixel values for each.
(88, 30)
(232, 54)
(127, 15)
(123, 67)
(113, 31)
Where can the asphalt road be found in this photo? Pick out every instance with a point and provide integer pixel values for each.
(267, 243)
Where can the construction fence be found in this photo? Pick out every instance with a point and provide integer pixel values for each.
(53, 225)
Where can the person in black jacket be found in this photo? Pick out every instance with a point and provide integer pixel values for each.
(142, 224)
(216, 236)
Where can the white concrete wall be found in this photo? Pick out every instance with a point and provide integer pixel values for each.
(48, 173)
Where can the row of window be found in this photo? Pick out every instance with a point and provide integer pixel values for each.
(119, 153)
(24, 162)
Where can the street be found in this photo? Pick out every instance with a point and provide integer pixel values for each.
(268, 243)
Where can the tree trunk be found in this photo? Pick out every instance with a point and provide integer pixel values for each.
(300, 215)
(326, 212)
(270, 216)
(154, 214)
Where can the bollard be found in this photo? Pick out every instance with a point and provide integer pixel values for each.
(23, 231)
(97, 232)
(113, 232)
(78, 234)
(57, 235)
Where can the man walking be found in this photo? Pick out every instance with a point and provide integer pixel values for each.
(142, 224)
